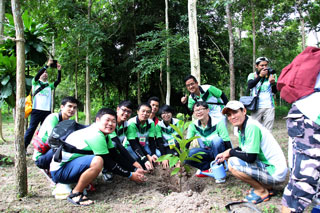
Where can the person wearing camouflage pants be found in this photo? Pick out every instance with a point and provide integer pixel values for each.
(304, 179)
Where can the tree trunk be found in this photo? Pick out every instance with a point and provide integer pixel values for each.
(2, 13)
(168, 96)
(253, 38)
(231, 55)
(88, 119)
(53, 53)
(193, 39)
(134, 55)
(76, 80)
(20, 154)
(302, 25)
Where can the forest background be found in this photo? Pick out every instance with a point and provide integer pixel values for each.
(123, 46)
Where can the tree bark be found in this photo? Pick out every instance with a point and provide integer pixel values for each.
(231, 54)
(134, 56)
(20, 154)
(88, 109)
(193, 39)
(302, 25)
(253, 37)
(76, 79)
(168, 96)
(2, 13)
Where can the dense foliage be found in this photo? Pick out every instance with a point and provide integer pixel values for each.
(126, 40)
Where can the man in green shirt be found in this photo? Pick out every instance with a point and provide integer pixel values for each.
(214, 137)
(214, 97)
(83, 169)
(43, 158)
(259, 160)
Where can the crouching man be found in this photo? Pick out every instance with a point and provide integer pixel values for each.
(83, 169)
(259, 160)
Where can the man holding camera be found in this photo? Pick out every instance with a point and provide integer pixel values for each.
(264, 79)
(41, 95)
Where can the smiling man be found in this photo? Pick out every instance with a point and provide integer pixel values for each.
(213, 96)
(43, 158)
(83, 169)
(259, 160)
(214, 137)
(118, 137)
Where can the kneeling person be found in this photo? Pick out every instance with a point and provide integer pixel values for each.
(83, 169)
(259, 160)
(214, 136)
(43, 157)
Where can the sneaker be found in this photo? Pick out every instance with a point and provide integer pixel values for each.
(107, 177)
(220, 180)
(198, 174)
(62, 191)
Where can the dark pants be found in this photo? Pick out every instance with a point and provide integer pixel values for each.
(37, 116)
(211, 152)
(44, 160)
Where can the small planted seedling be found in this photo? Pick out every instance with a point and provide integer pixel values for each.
(183, 151)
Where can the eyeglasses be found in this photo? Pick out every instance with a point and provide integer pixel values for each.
(200, 110)
(166, 113)
(190, 85)
(126, 111)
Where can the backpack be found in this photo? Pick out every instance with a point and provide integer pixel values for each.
(37, 142)
(58, 136)
(298, 79)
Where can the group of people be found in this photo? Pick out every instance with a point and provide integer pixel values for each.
(130, 147)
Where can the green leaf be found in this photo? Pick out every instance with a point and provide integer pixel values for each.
(173, 161)
(5, 80)
(6, 91)
(175, 171)
(164, 157)
(194, 159)
(187, 168)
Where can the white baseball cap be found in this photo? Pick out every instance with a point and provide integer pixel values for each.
(234, 105)
(261, 59)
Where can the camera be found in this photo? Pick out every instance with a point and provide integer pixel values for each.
(270, 72)
(54, 64)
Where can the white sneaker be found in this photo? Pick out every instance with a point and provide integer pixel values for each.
(220, 180)
(61, 191)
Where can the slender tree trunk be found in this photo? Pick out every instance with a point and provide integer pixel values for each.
(88, 119)
(302, 25)
(253, 37)
(53, 53)
(134, 56)
(20, 154)
(231, 55)
(76, 79)
(168, 96)
(2, 12)
(193, 39)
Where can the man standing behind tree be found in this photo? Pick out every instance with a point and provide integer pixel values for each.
(264, 81)
(41, 104)
(213, 96)
(154, 103)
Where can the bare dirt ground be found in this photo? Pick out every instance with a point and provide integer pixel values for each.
(159, 194)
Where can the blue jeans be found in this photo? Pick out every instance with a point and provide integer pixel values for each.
(210, 153)
(71, 171)
(44, 160)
